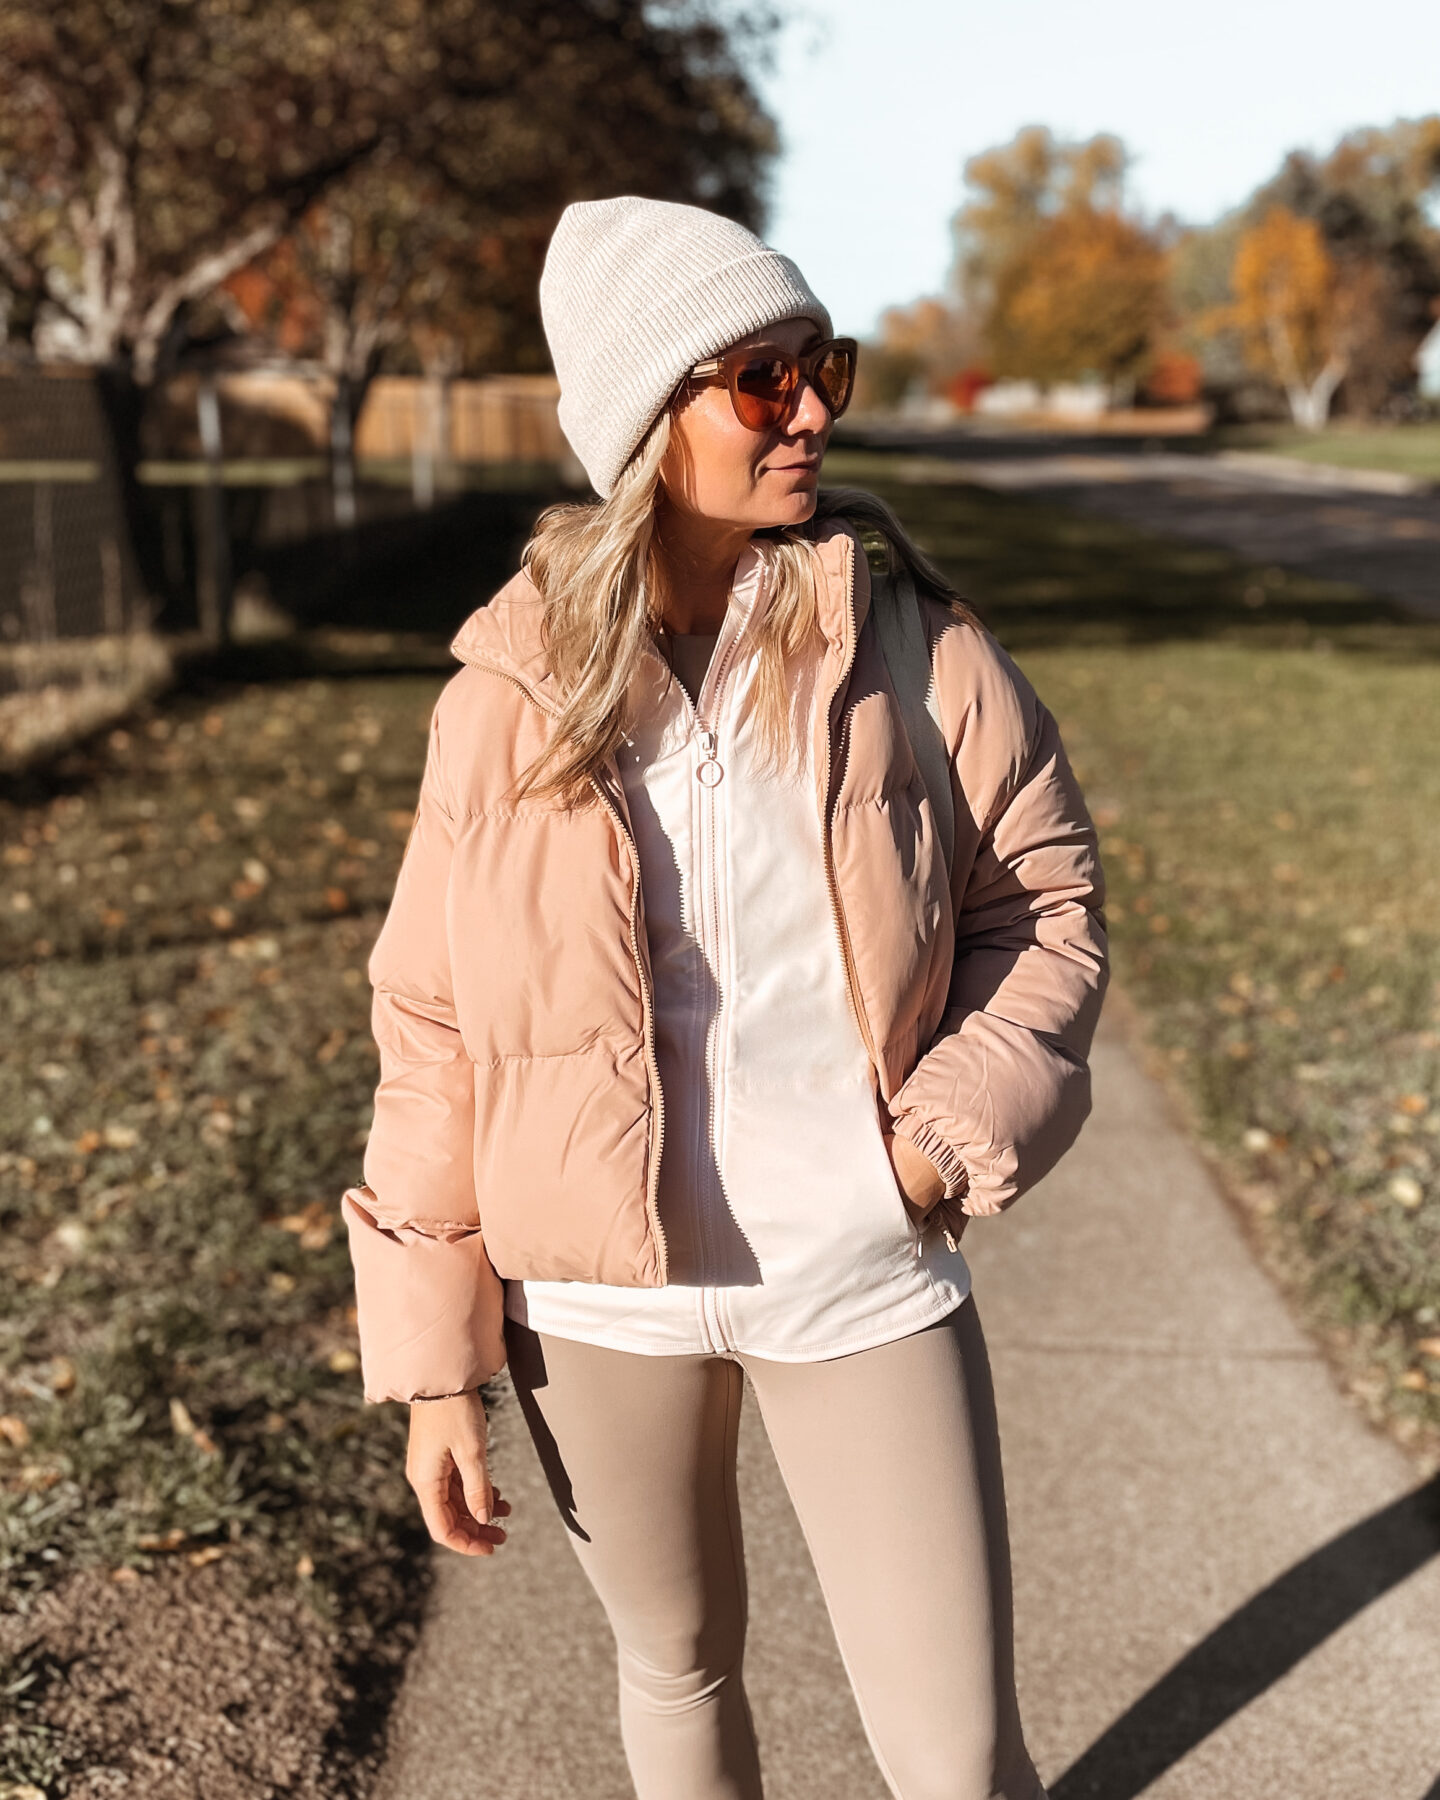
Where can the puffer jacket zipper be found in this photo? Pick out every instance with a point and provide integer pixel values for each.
(647, 999)
(827, 833)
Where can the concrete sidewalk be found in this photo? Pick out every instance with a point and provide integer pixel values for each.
(1227, 1586)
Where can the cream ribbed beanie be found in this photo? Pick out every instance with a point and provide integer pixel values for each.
(635, 292)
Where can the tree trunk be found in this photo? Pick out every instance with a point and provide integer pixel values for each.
(122, 404)
(1310, 401)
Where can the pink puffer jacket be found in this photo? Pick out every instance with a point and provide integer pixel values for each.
(519, 1118)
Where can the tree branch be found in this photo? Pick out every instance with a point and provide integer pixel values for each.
(197, 280)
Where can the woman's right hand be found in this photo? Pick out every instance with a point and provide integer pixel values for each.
(447, 1468)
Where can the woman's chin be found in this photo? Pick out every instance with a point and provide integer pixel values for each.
(795, 507)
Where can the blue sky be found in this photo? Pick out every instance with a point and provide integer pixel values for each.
(881, 101)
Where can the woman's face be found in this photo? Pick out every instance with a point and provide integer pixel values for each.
(716, 468)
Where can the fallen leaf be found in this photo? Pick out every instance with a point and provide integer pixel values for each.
(121, 1137)
(1407, 1190)
(1414, 1104)
(1429, 1346)
(14, 1430)
(198, 1559)
(180, 1421)
(1415, 1380)
(343, 1362)
(121, 1578)
(313, 1214)
(305, 1567)
(167, 1540)
(62, 1375)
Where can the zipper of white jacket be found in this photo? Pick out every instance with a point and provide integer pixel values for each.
(710, 772)
(647, 1003)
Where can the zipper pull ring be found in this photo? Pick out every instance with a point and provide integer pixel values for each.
(709, 772)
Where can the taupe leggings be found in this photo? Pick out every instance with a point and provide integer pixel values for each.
(892, 1461)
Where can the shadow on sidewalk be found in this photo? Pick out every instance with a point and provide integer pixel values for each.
(1256, 1646)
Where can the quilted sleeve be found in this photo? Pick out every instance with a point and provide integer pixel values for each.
(430, 1304)
(1004, 1086)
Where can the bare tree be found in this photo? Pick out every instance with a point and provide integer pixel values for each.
(149, 149)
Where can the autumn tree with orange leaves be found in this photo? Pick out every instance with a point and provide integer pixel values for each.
(1296, 315)
(1084, 295)
(1066, 282)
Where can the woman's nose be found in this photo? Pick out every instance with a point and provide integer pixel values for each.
(808, 413)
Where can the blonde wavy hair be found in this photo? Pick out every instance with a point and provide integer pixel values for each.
(596, 567)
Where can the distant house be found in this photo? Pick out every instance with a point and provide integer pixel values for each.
(1427, 361)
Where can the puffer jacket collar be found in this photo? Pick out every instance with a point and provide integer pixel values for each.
(507, 636)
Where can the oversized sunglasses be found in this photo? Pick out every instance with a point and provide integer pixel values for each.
(762, 381)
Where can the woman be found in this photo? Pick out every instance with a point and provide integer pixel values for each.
(706, 1024)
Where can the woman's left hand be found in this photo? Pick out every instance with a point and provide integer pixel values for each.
(919, 1180)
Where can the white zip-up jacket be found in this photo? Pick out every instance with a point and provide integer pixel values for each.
(788, 1234)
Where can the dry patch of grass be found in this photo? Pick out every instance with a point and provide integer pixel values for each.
(185, 1087)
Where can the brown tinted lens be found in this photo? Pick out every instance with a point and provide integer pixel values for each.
(834, 377)
(761, 389)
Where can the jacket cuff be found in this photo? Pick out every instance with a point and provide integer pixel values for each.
(430, 1305)
(928, 1141)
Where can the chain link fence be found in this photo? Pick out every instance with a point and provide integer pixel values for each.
(76, 644)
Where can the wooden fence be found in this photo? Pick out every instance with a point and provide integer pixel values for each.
(284, 414)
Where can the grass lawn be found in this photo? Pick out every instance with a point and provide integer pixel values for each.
(1404, 449)
(1262, 754)
(209, 1562)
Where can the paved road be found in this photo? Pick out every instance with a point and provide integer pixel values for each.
(1227, 1584)
(1330, 527)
